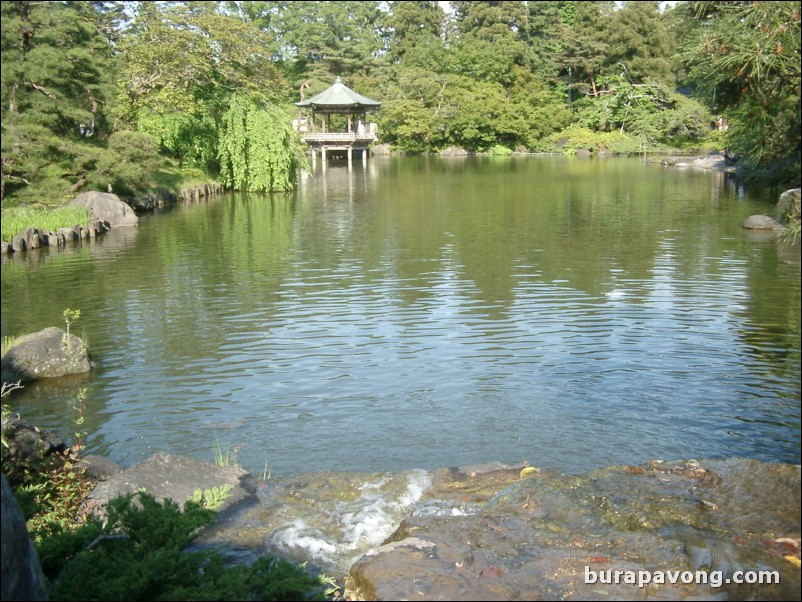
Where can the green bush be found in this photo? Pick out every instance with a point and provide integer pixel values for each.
(140, 556)
(575, 137)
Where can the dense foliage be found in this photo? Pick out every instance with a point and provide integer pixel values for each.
(140, 555)
(96, 94)
(744, 58)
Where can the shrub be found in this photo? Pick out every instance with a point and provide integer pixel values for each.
(140, 556)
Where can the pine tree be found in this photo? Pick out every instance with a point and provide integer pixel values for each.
(54, 91)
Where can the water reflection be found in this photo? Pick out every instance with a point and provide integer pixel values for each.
(423, 312)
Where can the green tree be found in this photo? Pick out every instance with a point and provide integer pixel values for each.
(258, 147)
(414, 25)
(330, 39)
(183, 61)
(744, 58)
(584, 49)
(650, 111)
(495, 22)
(54, 91)
(547, 20)
(639, 42)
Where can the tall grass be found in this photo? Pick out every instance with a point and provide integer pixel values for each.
(18, 219)
(225, 457)
(7, 343)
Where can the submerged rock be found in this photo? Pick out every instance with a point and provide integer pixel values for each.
(567, 537)
(495, 532)
(761, 222)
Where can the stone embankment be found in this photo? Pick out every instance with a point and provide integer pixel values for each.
(163, 198)
(107, 211)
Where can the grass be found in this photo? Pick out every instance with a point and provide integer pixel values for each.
(224, 457)
(18, 219)
(8, 343)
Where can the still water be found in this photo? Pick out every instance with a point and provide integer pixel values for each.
(426, 312)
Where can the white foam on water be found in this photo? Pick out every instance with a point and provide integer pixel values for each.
(301, 535)
(354, 527)
(370, 520)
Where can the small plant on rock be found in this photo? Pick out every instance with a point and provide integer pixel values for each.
(70, 316)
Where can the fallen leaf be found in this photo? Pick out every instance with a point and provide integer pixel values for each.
(491, 571)
(793, 560)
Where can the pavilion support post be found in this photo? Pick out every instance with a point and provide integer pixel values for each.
(350, 156)
(323, 153)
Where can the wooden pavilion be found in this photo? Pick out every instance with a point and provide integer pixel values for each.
(339, 99)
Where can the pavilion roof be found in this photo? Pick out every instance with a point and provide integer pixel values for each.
(339, 98)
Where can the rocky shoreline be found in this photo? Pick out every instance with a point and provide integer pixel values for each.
(491, 531)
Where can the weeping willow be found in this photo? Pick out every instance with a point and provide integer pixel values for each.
(258, 148)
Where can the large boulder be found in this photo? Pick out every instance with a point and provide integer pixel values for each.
(174, 477)
(106, 207)
(22, 577)
(48, 353)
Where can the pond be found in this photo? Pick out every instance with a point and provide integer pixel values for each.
(418, 312)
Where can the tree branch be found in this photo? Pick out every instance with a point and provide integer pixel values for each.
(39, 88)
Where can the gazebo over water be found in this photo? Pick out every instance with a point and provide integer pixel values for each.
(339, 99)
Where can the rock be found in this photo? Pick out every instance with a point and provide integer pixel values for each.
(788, 207)
(584, 153)
(382, 150)
(547, 537)
(106, 207)
(172, 476)
(22, 577)
(714, 162)
(453, 151)
(18, 243)
(761, 222)
(98, 468)
(28, 442)
(48, 353)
